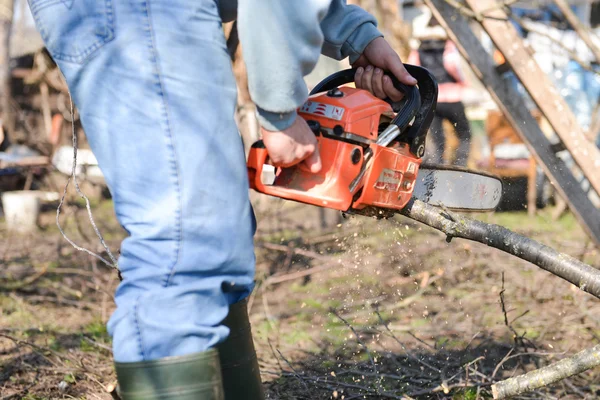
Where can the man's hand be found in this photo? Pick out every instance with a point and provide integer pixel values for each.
(378, 57)
(294, 145)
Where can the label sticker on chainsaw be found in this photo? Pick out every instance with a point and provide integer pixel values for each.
(389, 180)
(324, 110)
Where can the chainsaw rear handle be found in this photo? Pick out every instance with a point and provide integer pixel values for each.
(419, 102)
(257, 158)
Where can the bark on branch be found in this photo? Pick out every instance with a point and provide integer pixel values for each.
(585, 277)
(548, 375)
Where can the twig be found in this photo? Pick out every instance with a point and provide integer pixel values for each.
(100, 345)
(548, 375)
(274, 355)
(418, 339)
(423, 287)
(294, 250)
(584, 276)
(504, 359)
(445, 389)
(266, 308)
(38, 349)
(60, 301)
(359, 340)
(300, 274)
(369, 391)
(259, 283)
(26, 282)
(408, 353)
(504, 312)
(293, 370)
(72, 271)
(574, 388)
(371, 374)
(113, 261)
(337, 234)
(24, 390)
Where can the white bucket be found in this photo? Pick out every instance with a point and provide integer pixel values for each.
(21, 210)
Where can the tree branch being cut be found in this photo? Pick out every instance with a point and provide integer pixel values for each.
(585, 277)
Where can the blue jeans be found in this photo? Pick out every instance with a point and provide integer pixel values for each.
(153, 83)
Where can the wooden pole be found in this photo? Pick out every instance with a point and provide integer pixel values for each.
(246, 110)
(512, 105)
(581, 30)
(6, 18)
(540, 88)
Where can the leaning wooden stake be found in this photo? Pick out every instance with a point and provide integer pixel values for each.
(581, 30)
(585, 277)
(548, 375)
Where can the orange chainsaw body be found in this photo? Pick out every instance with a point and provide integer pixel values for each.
(348, 126)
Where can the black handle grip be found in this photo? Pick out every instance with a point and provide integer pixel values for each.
(428, 88)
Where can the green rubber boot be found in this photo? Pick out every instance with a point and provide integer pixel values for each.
(190, 377)
(239, 365)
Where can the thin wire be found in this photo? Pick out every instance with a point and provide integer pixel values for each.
(113, 261)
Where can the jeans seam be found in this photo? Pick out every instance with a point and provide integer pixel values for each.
(171, 148)
(171, 140)
(137, 328)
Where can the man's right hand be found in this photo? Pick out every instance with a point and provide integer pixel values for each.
(294, 145)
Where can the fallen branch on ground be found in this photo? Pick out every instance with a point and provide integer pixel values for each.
(585, 277)
(294, 250)
(25, 282)
(548, 375)
(300, 274)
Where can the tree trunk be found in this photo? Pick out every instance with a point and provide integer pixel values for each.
(6, 115)
(245, 116)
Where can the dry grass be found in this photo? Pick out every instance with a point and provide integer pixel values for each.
(388, 309)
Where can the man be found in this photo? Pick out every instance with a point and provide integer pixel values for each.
(153, 84)
(440, 56)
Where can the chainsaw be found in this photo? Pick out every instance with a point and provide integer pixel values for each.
(371, 154)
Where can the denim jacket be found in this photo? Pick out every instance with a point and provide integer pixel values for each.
(281, 42)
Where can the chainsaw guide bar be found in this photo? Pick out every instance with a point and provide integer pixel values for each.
(457, 188)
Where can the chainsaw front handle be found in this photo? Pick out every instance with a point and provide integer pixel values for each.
(418, 105)
(406, 108)
(428, 88)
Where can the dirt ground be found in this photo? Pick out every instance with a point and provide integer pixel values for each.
(343, 309)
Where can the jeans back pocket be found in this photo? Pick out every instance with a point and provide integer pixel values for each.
(74, 29)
